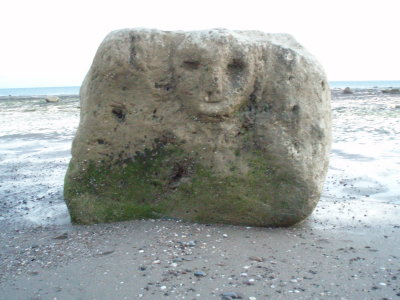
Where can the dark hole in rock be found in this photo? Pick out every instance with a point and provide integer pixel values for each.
(296, 109)
(122, 183)
(100, 141)
(119, 113)
(124, 88)
(178, 172)
(236, 65)
(181, 169)
(191, 64)
(167, 87)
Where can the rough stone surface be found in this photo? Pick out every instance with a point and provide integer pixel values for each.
(211, 126)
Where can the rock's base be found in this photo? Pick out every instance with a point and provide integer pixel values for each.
(169, 183)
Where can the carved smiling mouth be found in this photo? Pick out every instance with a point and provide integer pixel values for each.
(216, 110)
(212, 107)
(211, 100)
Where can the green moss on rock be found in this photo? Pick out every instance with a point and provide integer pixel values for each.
(265, 196)
(167, 182)
(107, 192)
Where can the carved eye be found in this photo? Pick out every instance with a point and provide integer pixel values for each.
(236, 66)
(191, 64)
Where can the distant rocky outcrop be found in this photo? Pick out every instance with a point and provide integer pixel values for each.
(347, 90)
(213, 126)
(391, 91)
(52, 99)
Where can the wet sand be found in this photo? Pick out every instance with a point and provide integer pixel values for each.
(344, 251)
(348, 249)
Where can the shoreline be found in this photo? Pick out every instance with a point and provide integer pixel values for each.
(38, 97)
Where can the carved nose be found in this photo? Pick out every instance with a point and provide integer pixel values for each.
(212, 97)
(214, 90)
(216, 83)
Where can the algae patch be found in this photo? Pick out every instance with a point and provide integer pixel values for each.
(123, 190)
(168, 182)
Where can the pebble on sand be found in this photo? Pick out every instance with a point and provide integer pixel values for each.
(199, 274)
(230, 295)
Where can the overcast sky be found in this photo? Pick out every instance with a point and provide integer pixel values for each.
(52, 43)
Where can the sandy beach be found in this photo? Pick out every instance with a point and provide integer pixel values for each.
(349, 248)
(344, 251)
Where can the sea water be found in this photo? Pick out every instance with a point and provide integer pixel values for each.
(384, 84)
(35, 149)
(36, 137)
(40, 91)
(365, 155)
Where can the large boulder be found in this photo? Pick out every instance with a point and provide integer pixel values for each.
(210, 126)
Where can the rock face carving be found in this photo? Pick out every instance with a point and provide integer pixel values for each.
(212, 126)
